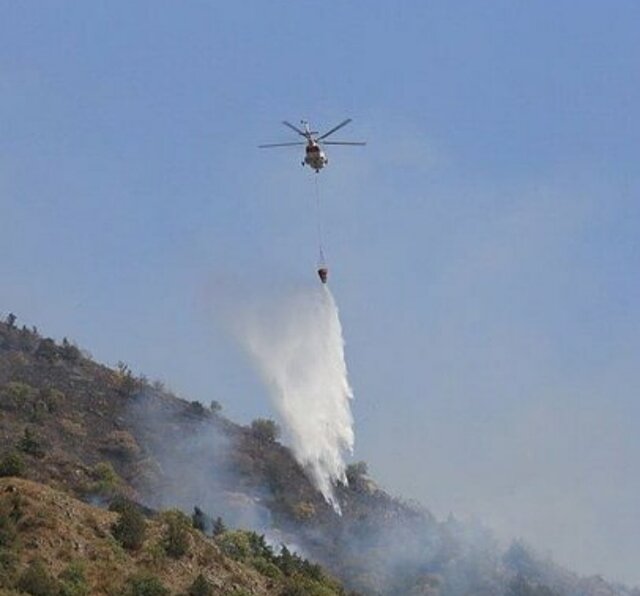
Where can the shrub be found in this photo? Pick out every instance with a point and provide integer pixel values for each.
(294, 588)
(69, 352)
(196, 409)
(47, 350)
(519, 586)
(73, 581)
(301, 586)
(304, 510)
(7, 531)
(155, 554)
(12, 464)
(158, 386)
(127, 383)
(35, 580)
(17, 359)
(119, 503)
(30, 445)
(355, 471)
(265, 430)
(16, 395)
(176, 536)
(200, 587)
(235, 544)
(294, 566)
(107, 479)
(130, 529)
(8, 566)
(145, 585)
(266, 568)
(53, 398)
(252, 549)
(121, 444)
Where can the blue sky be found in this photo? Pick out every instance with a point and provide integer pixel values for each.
(484, 246)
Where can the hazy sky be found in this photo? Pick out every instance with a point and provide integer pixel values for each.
(484, 247)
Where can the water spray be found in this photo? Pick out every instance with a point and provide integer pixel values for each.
(298, 348)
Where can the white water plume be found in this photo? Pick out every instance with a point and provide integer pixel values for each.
(298, 348)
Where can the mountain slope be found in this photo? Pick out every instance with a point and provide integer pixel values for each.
(97, 432)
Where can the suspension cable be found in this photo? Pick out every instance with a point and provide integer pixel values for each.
(321, 260)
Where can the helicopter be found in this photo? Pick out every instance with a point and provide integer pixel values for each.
(314, 157)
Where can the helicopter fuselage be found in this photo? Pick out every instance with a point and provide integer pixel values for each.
(314, 157)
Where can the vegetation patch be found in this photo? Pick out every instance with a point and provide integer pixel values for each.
(130, 529)
(145, 584)
(12, 464)
(176, 537)
(37, 581)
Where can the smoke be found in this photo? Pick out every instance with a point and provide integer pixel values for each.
(192, 463)
(297, 346)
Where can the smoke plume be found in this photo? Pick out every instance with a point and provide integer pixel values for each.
(297, 347)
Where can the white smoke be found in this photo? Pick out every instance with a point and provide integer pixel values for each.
(298, 348)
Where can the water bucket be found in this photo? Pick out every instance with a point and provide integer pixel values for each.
(323, 274)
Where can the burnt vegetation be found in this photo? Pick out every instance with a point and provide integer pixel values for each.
(111, 437)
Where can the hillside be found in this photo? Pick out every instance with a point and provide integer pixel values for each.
(55, 542)
(96, 433)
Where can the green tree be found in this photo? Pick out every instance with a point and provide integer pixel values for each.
(130, 529)
(218, 527)
(286, 561)
(200, 520)
(176, 535)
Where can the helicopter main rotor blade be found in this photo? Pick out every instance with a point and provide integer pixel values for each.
(280, 145)
(292, 127)
(359, 143)
(326, 134)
